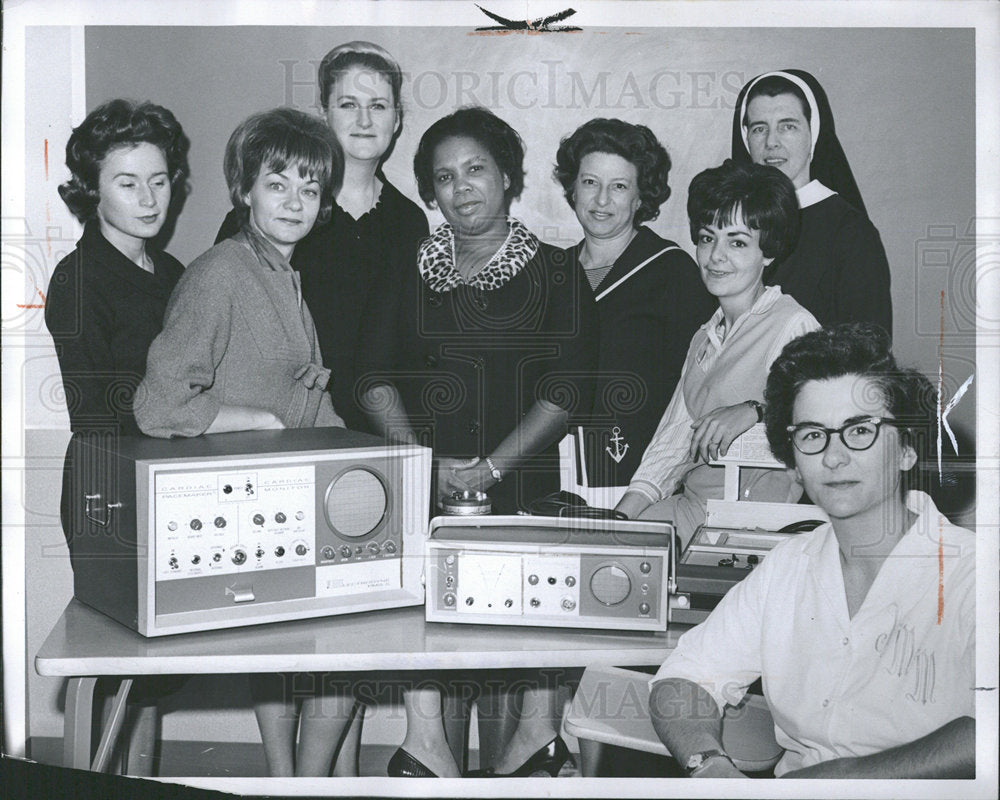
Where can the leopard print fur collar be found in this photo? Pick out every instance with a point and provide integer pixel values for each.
(436, 259)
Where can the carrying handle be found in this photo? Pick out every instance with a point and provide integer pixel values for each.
(91, 512)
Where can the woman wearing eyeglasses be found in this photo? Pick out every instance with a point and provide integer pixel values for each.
(863, 630)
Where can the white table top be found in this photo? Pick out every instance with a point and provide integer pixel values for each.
(85, 642)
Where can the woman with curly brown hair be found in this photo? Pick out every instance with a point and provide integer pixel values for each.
(650, 298)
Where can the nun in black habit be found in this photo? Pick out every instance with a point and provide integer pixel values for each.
(838, 270)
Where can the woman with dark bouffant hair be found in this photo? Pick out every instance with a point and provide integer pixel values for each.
(106, 300)
(742, 218)
(649, 295)
(127, 161)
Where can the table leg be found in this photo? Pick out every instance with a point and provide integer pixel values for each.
(78, 721)
(113, 728)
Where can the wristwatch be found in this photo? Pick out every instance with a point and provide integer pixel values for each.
(494, 470)
(759, 408)
(697, 761)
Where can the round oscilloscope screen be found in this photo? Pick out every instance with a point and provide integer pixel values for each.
(357, 502)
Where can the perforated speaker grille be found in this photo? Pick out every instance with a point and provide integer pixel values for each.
(610, 584)
(356, 502)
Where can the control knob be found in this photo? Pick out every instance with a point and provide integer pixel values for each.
(196, 524)
(258, 519)
(301, 549)
(280, 518)
(239, 557)
(279, 551)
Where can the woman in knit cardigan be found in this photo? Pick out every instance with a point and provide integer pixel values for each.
(239, 351)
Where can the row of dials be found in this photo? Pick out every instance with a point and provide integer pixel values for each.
(258, 519)
(238, 556)
(346, 552)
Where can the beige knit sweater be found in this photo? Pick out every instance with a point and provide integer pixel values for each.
(236, 332)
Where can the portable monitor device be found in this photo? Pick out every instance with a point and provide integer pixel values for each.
(241, 528)
(737, 535)
(550, 571)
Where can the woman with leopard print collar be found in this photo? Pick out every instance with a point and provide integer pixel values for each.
(494, 330)
(486, 357)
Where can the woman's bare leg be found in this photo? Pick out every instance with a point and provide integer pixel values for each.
(277, 720)
(425, 739)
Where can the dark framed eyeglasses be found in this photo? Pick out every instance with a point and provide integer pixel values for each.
(860, 434)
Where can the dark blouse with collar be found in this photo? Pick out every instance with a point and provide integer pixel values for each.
(103, 312)
(646, 324)
(348, 267)
(469, 363)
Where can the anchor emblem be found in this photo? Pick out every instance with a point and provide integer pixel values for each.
(619, 452)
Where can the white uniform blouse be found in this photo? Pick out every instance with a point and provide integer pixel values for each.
(837, 686)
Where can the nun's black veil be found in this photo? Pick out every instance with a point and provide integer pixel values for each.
(829, 164)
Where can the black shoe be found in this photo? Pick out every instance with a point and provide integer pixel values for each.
(403, 765)
(548, 759)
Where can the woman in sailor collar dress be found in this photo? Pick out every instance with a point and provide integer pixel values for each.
(650, 298)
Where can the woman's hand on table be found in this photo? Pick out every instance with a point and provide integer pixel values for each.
(477, 476)
(244, 418)
(715, 431)
(456, 475)
(632, 504)
(266, 421)
(719, 768)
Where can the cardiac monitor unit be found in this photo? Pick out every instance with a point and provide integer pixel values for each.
(550, 571)
(237, 529)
